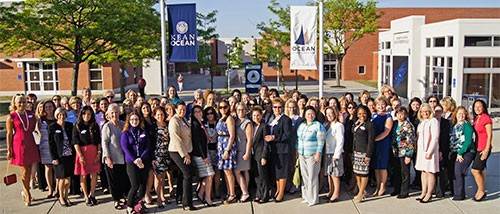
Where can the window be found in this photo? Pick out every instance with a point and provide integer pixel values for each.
(495, 92)
(428, 42)
(439, 42)
(41, 77)
(477, 41)
(361, 69)
(496, 41)
(496, 62)
(476, 86)
(95, 73)
(476, 62)
(449, 68)
(450, 41)
(387, 45)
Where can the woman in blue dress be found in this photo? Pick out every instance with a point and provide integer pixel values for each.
(227, 148)
(382, 123)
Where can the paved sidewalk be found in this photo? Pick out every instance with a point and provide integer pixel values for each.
(10, 200)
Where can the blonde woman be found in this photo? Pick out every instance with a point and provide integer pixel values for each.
(449, 105)
(427, 151)
(20, 125)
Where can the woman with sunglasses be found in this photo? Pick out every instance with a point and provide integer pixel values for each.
(137, 151)
(433, 101)
(20, 142)
(87, 140)
(349, 121)
(427, 151)
(280, 139)
(200, 156)
(210, 122)
(57, 100)
(227, 148)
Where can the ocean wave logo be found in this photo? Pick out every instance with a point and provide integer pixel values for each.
(182, 27)
(303, 38)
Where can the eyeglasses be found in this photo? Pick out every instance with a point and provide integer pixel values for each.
(223, 107)
(240, 109)
(350, 107)
(277, 107)
(110, 97)
(433, 101)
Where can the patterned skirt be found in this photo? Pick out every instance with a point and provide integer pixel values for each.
(230, 163)
(203, 168)
(359, 167)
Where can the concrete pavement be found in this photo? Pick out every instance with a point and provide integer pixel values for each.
(10, 200)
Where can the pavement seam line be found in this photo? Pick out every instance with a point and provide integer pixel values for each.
(53, 204)
(456, 206)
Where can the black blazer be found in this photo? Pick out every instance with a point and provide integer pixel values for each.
(199, 139)
(84, 135)
(56, 139)
(260, 147)
(444, 136)
(283, 135)
(364, 138)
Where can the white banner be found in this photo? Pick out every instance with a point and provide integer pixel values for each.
(303, 37)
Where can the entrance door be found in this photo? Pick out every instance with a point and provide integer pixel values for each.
(41, 78)
(437, 81)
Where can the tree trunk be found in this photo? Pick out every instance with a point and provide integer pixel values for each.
(122, 82)
(211, 78)
(339, 68)
(74, 83)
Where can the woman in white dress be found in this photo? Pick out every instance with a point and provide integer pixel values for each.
(427, 151)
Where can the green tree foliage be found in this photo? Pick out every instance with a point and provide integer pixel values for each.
(345, 22)
(275, 36)
(206, 28)
(234, 57)
(77, 31)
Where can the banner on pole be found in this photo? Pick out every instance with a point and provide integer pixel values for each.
(183, 46)
(303, 37)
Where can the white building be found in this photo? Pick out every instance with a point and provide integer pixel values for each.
(458, 58)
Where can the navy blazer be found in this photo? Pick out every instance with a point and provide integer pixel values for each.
(283, 135)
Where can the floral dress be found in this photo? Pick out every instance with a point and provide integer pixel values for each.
(222, 143)
(162, 157)
(404, 140)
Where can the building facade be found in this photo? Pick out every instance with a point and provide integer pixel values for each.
(32, 74)
(458, 58)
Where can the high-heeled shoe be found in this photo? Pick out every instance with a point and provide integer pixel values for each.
(189, 208)
(231, 199)
(244, 198)
(479, 199)
(27, 200)
(211, 204)
(423, 201)
(63, 204)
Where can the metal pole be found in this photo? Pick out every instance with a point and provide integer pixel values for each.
(320, 52)
(164, 64)
(228, 67)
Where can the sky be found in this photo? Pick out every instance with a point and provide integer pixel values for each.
(240, 17)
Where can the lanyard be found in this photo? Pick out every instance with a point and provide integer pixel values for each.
(25, 128)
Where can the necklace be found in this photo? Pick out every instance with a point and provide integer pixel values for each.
(25, 128)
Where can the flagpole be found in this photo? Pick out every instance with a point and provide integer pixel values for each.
(163, 48)
(320, 52)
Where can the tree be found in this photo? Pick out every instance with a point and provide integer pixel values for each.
(206, 31)
(234, 57)
(275, 36)
(345, 22)
(76, 31)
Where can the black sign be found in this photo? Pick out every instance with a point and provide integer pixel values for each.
(253, 78)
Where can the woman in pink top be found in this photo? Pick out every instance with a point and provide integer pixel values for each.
(484, 135)
(21, 147)
(427, 151)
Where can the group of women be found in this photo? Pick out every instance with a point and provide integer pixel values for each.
(140, 146)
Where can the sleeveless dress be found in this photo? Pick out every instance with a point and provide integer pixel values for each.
(162, 156)
(242, 165)
(43, 147)
(383, 147)
(24, 149)
(222, 142)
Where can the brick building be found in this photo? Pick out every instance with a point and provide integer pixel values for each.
(360, 63)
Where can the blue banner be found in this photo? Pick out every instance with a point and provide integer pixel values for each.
(253, 78)
(182, 30)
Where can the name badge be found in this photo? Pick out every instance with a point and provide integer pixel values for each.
(142, 135)
(83, 132)
(30, 116)
(362, 128)
(58, 131)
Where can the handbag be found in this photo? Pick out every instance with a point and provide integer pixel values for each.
(296, 174)
(9, 179)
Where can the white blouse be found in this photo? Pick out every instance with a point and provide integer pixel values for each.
(335, 140)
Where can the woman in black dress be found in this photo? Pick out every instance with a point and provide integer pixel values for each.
(62, 153)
